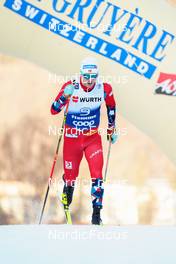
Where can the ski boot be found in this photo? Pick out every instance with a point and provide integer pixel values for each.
(67, 196)
(96, 219)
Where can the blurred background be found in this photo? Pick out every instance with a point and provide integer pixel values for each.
(141, 186)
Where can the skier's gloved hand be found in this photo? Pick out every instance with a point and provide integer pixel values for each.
(112, 134)
(68, 91)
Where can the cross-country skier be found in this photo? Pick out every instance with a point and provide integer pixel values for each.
(83, 98)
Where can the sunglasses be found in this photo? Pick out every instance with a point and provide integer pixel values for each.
(90, 76)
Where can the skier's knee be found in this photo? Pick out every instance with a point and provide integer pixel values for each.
(69, 180)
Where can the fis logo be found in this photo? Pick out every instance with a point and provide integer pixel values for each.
(166, 84)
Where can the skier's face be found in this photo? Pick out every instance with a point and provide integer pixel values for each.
(89, 79)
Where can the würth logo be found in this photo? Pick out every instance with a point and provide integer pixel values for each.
(75, 99)
(90, 99)
(166, 84)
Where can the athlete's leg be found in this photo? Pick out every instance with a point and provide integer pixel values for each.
(72, 155)
(94, 156)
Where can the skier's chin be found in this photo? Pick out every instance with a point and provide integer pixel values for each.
(89, 85)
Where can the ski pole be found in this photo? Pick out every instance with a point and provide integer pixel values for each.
(53, 166)
(107, 160)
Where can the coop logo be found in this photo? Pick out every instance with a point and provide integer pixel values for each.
(130, 40)
(75, 99)
(83, 123)
(166, 84)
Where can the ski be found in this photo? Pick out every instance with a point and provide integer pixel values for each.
(68, 216)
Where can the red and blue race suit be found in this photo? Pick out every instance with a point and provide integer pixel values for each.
(81, 128)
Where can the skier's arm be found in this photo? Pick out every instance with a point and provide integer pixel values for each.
(111, 112)
(110, 105)
(60, 101)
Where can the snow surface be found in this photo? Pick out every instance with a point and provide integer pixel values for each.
(87, 244)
